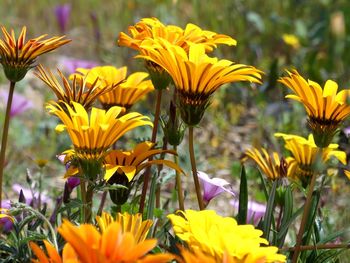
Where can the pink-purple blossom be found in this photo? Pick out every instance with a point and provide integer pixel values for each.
(19, 103)
(212, 187)
(71, 64)
(255, 212)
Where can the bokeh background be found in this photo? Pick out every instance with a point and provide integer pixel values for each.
(273, 35)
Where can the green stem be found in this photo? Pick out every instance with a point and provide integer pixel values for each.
(103, 200)
(147, 174)
(304, 218)
(194, 169)
(5, 134)
(180, 195)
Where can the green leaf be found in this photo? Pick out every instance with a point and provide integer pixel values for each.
(327, 256)
(269, 211)
(243, 198)
(287, 216)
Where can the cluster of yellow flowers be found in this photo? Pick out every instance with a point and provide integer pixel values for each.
(180, 56)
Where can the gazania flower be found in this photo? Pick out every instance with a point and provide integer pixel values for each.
(196, 76)
(306, 154)
(81, 90)
(221, 236)
(129, 89)
(153, 28)
(132, 162)
(326, 108)
(122, 166)
(272, 166)
(18, 56)
(129, 223)
(86, 245)
(92, 136)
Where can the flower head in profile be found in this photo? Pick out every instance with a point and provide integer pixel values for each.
(326, 108)
(81, 90)
(153, 28)
(129, 223)
(17, 56)
(213, 187)
(196, 76)
(85, 244)
(272, 166)
(93, 135)
(122, 166)
(127, 91)
(306, 154)
(222, 237)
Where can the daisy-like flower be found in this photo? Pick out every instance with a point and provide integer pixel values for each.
(152, 28)
(273, 166)
(326, 108)
(122, 166)
(18, 56)
(196, 76)
(129, 223)
(306, 154)
(129, 90)
(85, 244)
(291, 40)
(221, 236)
(92, 136)
(213, 187)
(82, 90)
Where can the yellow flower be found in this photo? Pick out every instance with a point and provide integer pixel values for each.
(4, 213)
(291, 40)
(128, 89)
(92, 136)
(82, 90)
(196, 76)
(326, 109)
(130, 163)
(18, 56)
(153, 28)
(129, 223)
(222, 237)
(306, 154)
(272, 166)
(86, 245)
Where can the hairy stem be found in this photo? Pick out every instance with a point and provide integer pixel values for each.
(194, 169)
(180, 195)
(5, 134)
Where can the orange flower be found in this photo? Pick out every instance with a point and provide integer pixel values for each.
(18, 56)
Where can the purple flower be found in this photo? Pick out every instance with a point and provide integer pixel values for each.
(19, 103)
(213, 187)
(62, 13)
(30, 196)
(347, 131)
(73, 182)
(256, 211)
(6, 224)
(71, 64)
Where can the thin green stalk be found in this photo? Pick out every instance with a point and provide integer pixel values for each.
(317, 247)
(304, 218)
(147, 174)
(5, 134)
(194, 169)
(102, 203)
(180, 195)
